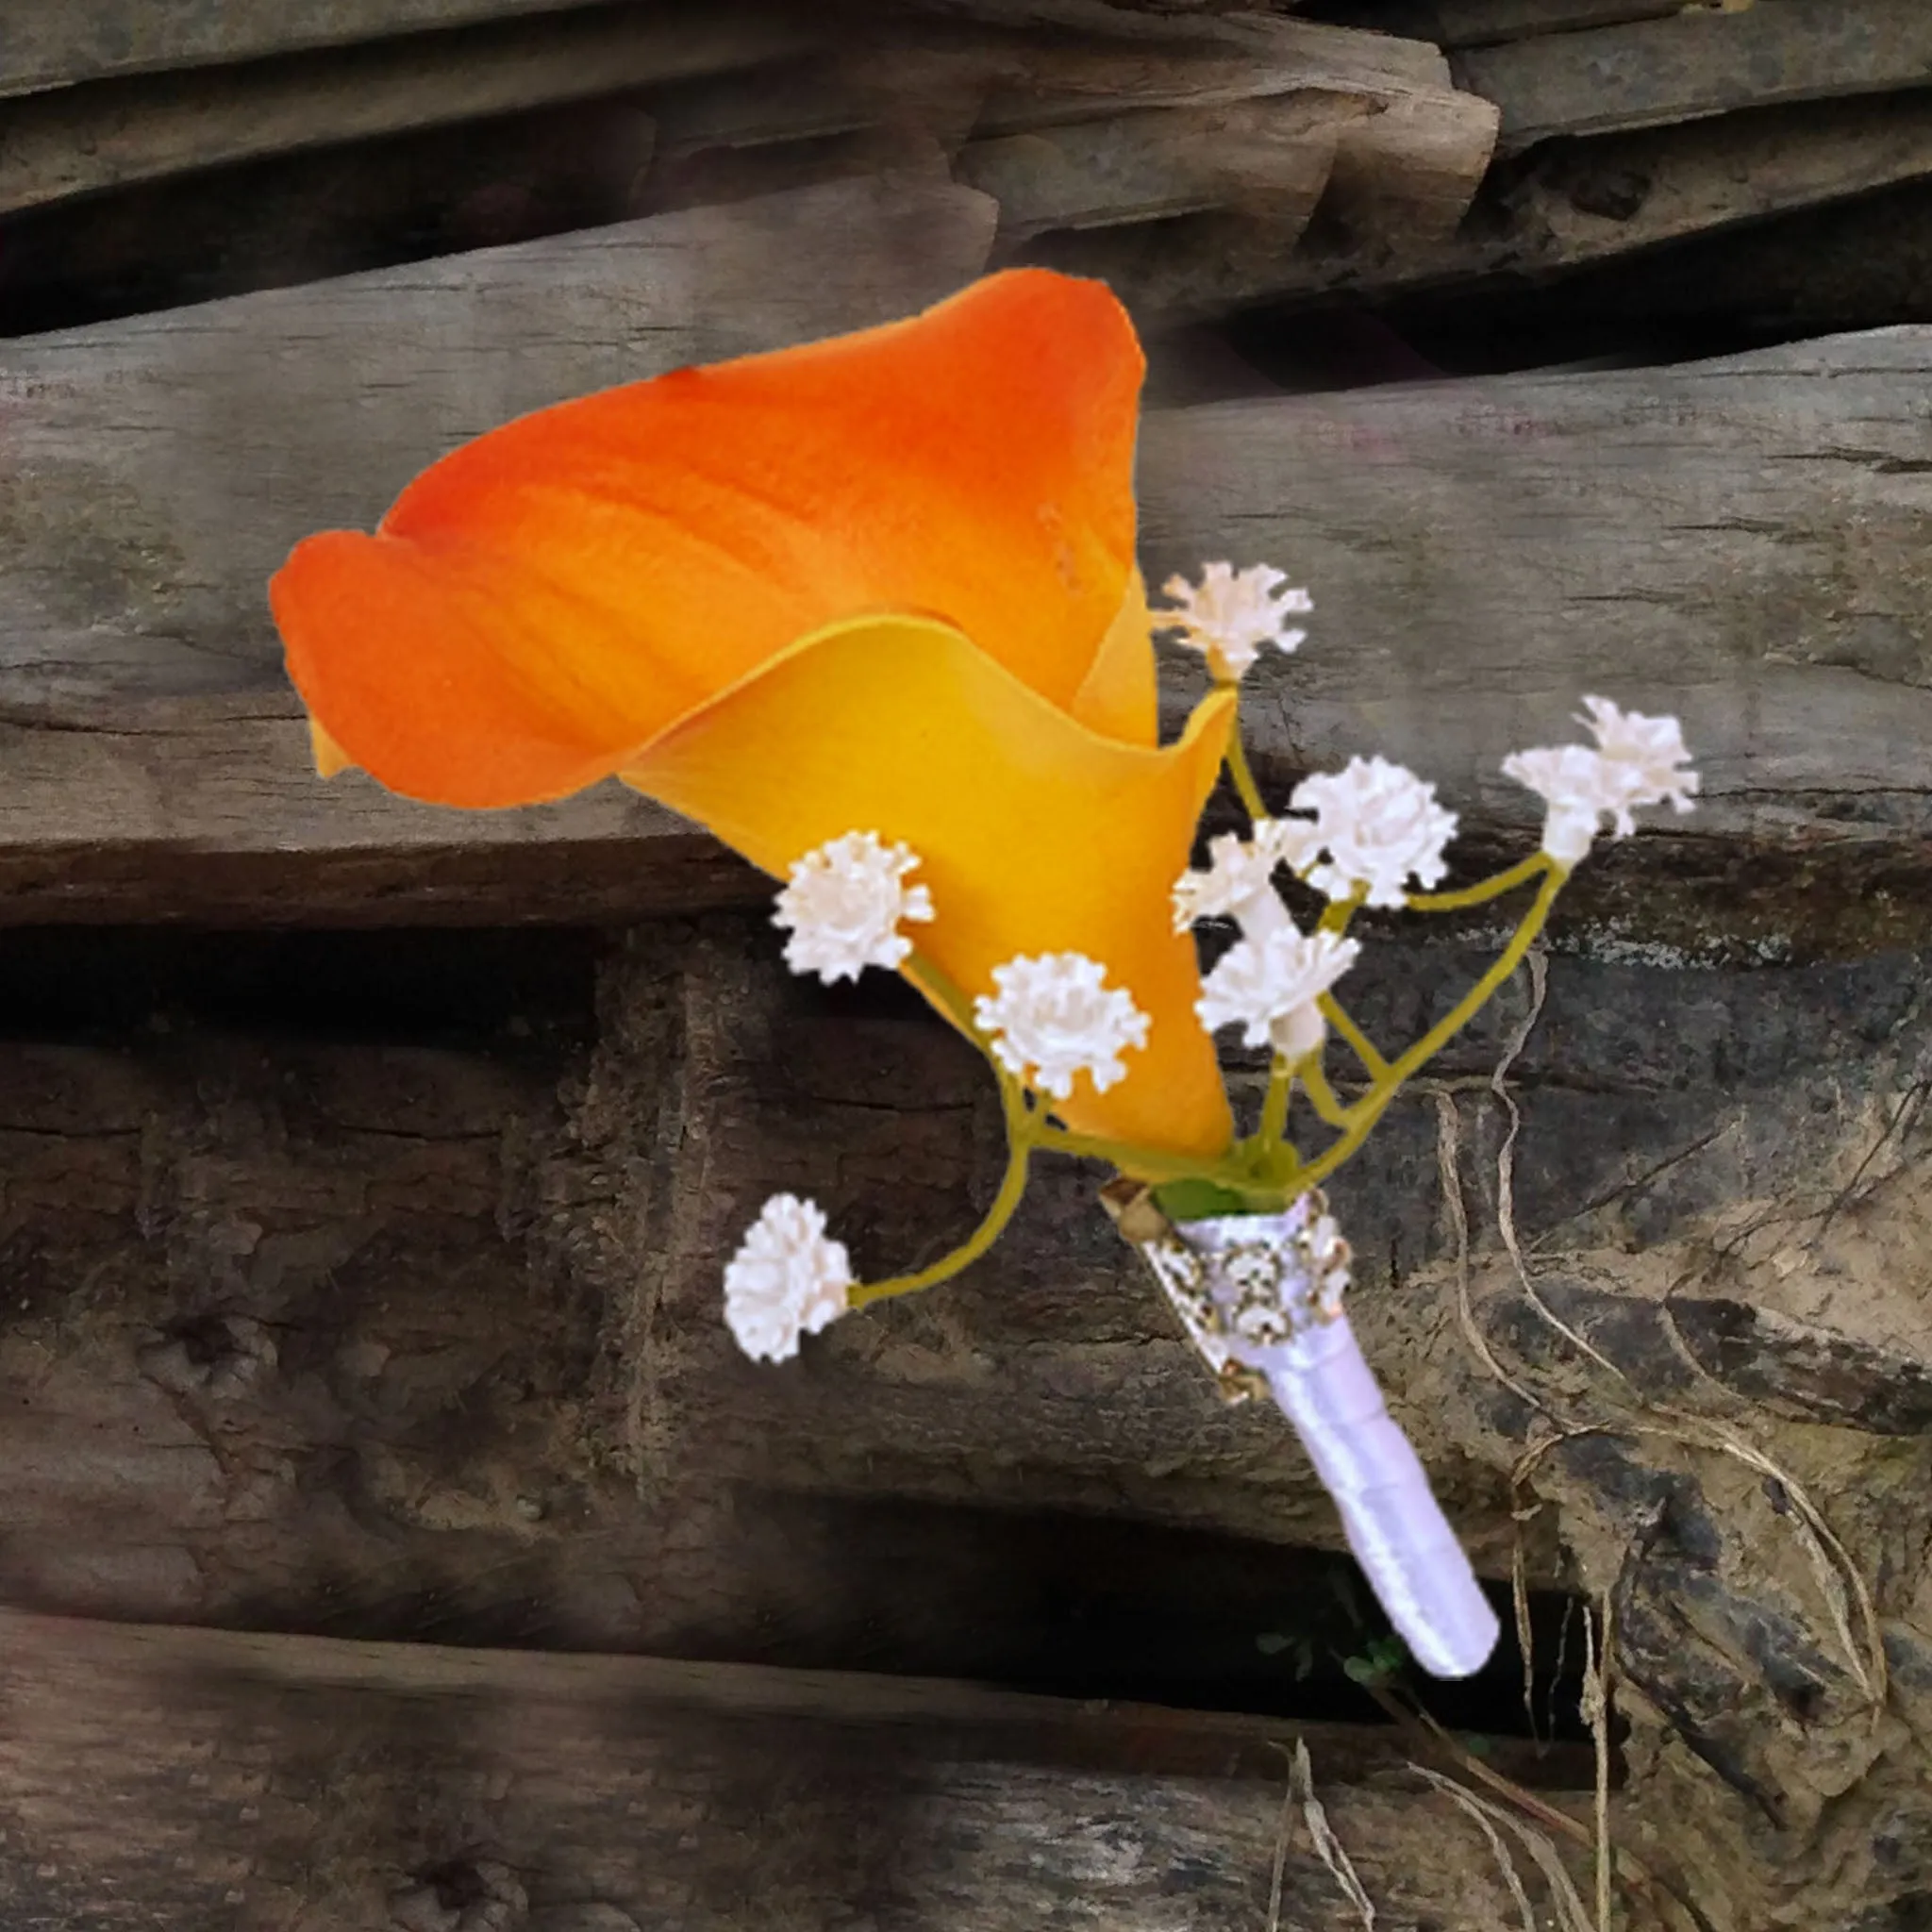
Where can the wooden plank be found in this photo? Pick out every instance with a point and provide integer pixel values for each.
(455, 340)
(1453, 23)
(1073, 137)
(1270, 156)
(1050, 86)
(1568, 531)
(1615, 195)
(1408, 154)
(379, 1338)
(1570, 204)
(83, 141)
(323, 1253)
(195, 1777)
(1699, 62)
(161, 468)
(48, 43)
(1031, 82)
(1477, 22)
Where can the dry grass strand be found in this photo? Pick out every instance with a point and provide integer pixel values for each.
(1329, 1848)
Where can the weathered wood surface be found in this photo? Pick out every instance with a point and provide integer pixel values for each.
(1570, 205)
(1696, 62)
(81, 141)
(380, 1339)
(1045, 84)
(418, 1341)
(49, 43)
(1271, 156)
(195, 1777)
(1589, 201)
(1480, 22)
(1742, 540)
(608, 306)
(1077, 135)
(1261, 116)
(1400, 149)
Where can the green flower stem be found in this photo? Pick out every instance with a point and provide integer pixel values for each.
(1369, 1108)
(1337, 914)
(1263, 1170)
(1335, 918)
(939, 986)
(1238, 770)
(1484, 890)
(1023, 1126)
(1275, 1103)
(1322, 1096)
(1331, 1010)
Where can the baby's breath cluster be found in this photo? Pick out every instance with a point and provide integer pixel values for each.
(787, 1279)
(845, 904)
(1371, 834)
(1636, 761)
(1269, 986)
(1051, 1018)
(1055, 1016)
(1231, 614)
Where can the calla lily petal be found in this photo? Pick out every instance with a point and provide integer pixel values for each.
(560, 591)
(1120, 696)
(1034, 832)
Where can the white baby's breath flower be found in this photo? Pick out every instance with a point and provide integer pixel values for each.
(1636, 761)
(1380, 826)
(1053, 1015)
(1270, 987)
(845, 904)
(1644, 755)
(1578, 788)
(1238, 881)
(1233, 614)
(786, 1280)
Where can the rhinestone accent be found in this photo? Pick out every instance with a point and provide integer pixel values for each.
(1245, 1284)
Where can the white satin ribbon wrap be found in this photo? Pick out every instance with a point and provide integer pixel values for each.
(1260, 1294)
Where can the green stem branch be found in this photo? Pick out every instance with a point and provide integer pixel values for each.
(1275, 1103)
(1484, 890)
(947, 995)
(1366, 1111)
(1359, 1044)
(1022, 1127)
(1238, 770)
(1322, 1096)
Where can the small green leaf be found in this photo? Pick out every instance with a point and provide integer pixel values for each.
(1272, 1643)
(1196, 1200)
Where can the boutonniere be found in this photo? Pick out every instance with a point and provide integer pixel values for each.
(867, 609)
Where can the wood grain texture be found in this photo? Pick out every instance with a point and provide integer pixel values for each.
(1452, 24)
(1049, 85)
(1698, 61)
(384, 1340)
(1481, 550)
(1077, 135)
(49, 43)
(1568, 204)
(160, 594)
(366, 1336)
(86, 141)
(1743, 540)
(195, 1777)
(1272, 156)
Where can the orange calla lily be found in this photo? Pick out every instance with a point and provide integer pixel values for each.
(884, 582)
